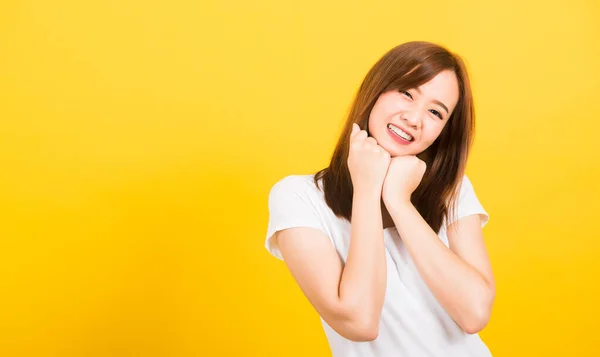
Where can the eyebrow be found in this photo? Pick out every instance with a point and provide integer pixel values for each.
(435, 101)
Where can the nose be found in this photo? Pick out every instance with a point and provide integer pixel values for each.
(412, 119)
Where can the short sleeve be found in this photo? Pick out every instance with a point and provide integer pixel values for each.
(291, 204)
(469, 204)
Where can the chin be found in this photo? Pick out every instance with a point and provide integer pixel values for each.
(398, 150)
(403, 154)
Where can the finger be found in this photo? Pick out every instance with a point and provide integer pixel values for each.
(371, 140)
(359, 136)
(385, 152)
(355, 129)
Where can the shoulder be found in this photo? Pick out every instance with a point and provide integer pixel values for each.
(461, 190)
(468, 201)
(302, 185)
(294, 181)
(465, 186)
(295, 191)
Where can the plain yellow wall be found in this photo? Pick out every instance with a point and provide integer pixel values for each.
(139, 141)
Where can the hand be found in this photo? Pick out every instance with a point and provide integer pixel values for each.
(367, 161)
(403, 177)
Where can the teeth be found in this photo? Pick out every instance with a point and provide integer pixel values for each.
(400, 133)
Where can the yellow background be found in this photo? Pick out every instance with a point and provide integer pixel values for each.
(139, 141)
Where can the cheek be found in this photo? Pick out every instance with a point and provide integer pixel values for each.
(370, 124)
(431, 135)
(374, 121)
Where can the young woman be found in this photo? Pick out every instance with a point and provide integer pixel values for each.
(386, 242)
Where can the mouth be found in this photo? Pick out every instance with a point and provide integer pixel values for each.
(400, 134)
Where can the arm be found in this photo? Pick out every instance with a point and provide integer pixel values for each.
(350, 298)
(460, 277)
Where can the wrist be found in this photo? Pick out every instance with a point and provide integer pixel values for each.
(399, 207)
(368, 192)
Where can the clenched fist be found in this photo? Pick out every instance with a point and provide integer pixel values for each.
(403, 177)
(367, 161)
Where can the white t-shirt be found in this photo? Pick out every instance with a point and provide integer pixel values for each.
(412, 322)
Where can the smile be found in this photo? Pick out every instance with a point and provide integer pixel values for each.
(400, 133)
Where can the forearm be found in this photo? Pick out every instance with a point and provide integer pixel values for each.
(461, 290)
(363, 282)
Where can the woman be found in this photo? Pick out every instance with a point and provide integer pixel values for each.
(386, 242)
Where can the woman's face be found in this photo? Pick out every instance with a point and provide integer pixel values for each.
(421, 112)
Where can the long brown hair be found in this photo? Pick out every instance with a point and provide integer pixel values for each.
(407, 66)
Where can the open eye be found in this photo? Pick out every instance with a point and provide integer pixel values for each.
(435, 112)
(407, 94)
